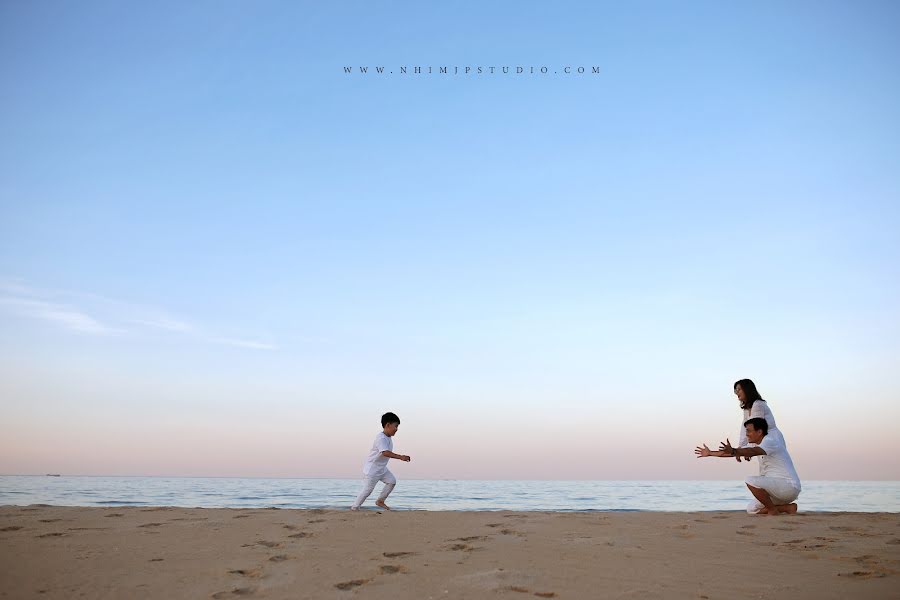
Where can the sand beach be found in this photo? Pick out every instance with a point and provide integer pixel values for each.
(162, 552)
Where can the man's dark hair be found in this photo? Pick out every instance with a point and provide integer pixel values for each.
(758, 424)
(389, 417)
(751, 394)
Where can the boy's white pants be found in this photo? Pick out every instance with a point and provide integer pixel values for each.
(369, 484)
(782, 491)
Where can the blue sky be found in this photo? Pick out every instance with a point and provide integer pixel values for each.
(210, 232)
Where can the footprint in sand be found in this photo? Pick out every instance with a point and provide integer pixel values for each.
(398, 554)
(302, 534)
(240, 516)
(279, 558)
(471, 538)
(391, 569)
(318, 520)
(234, 592)
(521, 590)
(495, 524)
(16, 528)
(291, 527)
(254, 573)
(868, 560)
(507, 531)
(349, 585)
(461, 547)
(54, 534)
(156, 560)
(114, 515)
(49, 520)
(265, 543)
(862, 575)
(151, 525)
(893, 542)
(806, 546)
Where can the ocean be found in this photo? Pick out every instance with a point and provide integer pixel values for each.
(421, 494)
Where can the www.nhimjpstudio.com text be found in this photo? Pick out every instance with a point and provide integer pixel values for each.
(468, 70)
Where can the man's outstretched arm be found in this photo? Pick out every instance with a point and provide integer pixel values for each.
(704, 451)
(726, 450)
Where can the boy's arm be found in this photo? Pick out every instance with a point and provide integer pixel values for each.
(704, 451)
(726, 450)
(390, 454)
(748, 452)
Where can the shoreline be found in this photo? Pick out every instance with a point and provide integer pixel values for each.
(437, 495)
(369, 507)
(167, 552)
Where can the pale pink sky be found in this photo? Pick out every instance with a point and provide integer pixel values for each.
(78, 425)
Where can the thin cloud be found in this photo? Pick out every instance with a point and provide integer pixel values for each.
(70, 318)
(56, 306)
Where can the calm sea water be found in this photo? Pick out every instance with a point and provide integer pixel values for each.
(419, 494)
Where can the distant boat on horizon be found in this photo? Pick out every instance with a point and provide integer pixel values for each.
(53, 475)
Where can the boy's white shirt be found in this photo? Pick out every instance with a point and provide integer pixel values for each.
(376, 463)
(776, 462)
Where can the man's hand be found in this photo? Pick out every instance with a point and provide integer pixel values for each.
(405, 458)
(702, 451)
(727, 449)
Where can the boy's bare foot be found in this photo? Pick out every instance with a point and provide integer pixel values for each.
(382, 504)
(354, 508)
(781, 509)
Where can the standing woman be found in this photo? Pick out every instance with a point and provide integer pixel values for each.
(754, 407)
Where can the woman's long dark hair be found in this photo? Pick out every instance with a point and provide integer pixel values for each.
(751, 394)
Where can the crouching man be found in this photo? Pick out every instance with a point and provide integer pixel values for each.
(777, 485)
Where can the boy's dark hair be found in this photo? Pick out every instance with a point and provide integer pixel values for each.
(758, 424)
(389, 417)
(750, 393)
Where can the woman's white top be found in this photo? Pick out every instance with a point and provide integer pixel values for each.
(760, 410)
